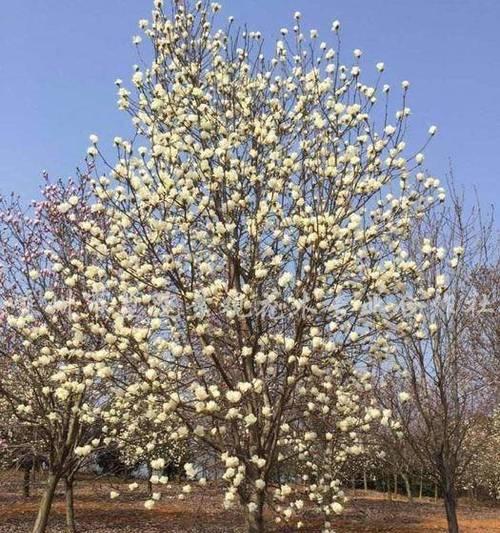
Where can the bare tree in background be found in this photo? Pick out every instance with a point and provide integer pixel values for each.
(483, 327)
(440, 390)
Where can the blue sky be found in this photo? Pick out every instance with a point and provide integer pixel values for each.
(60, 59)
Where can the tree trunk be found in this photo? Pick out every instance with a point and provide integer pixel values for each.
(365, 481)
(45, 504)
(26, 482)
(34, 469)
(450, 502)
(255, 519)
(421, 488)
(33, 474)
(150, 485)
(395, 483)
(389, 491)
(70, 506)
(435, 492)
(408, 487)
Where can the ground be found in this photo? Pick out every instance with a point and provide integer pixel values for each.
(369, 512)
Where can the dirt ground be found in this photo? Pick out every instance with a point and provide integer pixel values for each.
(202, 512)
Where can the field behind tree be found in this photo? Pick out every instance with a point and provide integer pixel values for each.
(202, 511)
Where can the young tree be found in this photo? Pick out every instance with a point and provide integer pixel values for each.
(243, 242)
(53, 379)
(20, 449)
(439, 394)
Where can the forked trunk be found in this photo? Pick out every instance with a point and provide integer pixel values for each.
(70, 506)
(45, 504)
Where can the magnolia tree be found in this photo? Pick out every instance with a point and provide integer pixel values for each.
(20, 448)
(143, 442)
(481, 478)
(248, 251)
(489, 457)
(53, 381)
(399, 455)
(364, 467)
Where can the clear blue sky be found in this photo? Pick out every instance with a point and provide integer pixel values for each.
(60, 59)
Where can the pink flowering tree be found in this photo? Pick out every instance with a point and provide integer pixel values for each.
(53, 379)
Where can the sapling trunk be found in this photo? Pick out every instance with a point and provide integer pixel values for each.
(389, 491)
(406, 479)
(45, 504)
(450, 501)
(26, 482)
(70, 506)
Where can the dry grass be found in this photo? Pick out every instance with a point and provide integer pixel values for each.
(203, 512)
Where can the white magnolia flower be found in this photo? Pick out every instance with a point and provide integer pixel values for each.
(233, 396)
(285, 279)
(404, 397)
(337, 508)
(158, 464)
(260, 484)
(250, 420)
(149, 504)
